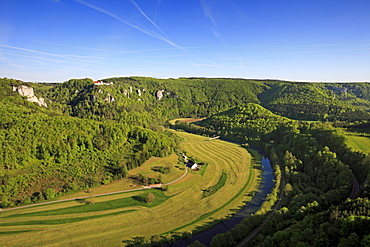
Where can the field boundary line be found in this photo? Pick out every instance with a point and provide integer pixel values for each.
(104, 194)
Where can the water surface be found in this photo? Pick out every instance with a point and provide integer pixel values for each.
(251, 207)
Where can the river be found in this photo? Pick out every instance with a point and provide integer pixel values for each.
(251, 207)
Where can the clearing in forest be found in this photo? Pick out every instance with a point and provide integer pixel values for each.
(186, 120)
(359, 142)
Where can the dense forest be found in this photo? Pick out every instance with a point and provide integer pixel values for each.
(45, 153)
(318, 206)
(89, 133)
(129, 99)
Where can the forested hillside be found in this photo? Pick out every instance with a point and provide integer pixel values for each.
(131, 99)
(78, 134)
(318, 169)
(149, 101)
(35, 136)
(247, 122)
(45, 153)
(315, 101)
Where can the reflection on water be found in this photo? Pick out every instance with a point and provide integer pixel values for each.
(251, 207)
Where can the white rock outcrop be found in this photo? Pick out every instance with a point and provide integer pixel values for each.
(160, 94)
(28, 92)
(109, 98)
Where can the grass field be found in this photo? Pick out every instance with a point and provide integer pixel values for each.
(112, 220)
(358, 142)
(185, 120)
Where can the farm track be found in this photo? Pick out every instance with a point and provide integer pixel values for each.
(90, 196)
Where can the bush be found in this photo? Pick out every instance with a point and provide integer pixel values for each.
(150, 198)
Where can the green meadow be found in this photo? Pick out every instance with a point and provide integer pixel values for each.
(358, 142)
(112, 220)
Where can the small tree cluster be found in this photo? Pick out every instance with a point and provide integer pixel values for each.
(150, 198)
(148, 180)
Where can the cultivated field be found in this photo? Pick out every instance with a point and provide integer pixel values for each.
(185, 120)
(115, 219)
(359, 142)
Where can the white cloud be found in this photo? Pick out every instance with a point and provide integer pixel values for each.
(207, 11)
(136, 26)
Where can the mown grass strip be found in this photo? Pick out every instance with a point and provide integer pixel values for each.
(102, 206)
(359, 143)
(213, 189)
(15, 232)
(61, 221)
(204, 216)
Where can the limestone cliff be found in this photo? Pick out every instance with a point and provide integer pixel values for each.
(28, 92)
(160, 94)
(109, 98)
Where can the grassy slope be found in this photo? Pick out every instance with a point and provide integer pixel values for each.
(359, 143)
(185, 206)
(126, 184)
(152, 163)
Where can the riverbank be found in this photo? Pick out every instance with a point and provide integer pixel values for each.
(250, 208)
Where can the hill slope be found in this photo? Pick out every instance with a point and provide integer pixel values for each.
(131, 99)
(248, 122)
(45, 153)
(316, 101)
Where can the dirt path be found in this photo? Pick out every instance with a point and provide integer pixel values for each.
(104, 194)
(186, 172)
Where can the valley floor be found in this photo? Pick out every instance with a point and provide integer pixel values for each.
(117, 218)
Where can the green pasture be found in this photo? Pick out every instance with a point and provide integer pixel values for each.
(128, 183)
(173, 121)
(149, 168)
(114, 219)
(358, 142)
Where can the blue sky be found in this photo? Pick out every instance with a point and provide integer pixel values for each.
(299, 40)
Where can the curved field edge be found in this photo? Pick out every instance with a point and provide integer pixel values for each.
(257, 157)
(213, 189)
(61, 221)
(184, 208)
(359, 143)
(85, 207)
(185, 120)
(247, 191)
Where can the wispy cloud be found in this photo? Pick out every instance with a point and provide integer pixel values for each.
(200, 65)
(30, 61)
(207, 11)
(38, 58)
(241, 13)
(146, 17)
(215, 32)
(138, 27)
(73, 57)
(156, 11)
(11, 63)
